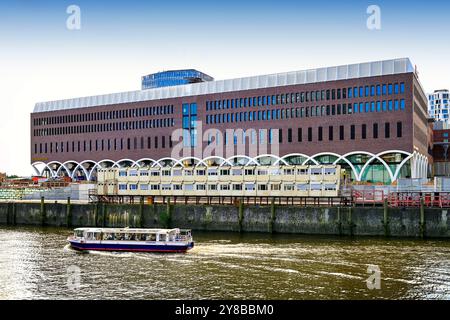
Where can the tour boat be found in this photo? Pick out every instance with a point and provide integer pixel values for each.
(134, 240)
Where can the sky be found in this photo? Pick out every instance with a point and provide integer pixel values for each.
(118, 42)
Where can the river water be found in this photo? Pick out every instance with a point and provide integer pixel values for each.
(36, 263)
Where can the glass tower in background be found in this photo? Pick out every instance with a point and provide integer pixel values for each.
(173, 78)
(438, 105)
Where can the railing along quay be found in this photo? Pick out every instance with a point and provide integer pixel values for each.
(403, 199)
(342, 201)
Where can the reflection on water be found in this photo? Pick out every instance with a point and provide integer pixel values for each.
(34, 262)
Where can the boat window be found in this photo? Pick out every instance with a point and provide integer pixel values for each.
(79, 233)
(151, 237)
(162, 237)
(98, 236)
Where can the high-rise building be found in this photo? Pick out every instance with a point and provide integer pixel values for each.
(439, 106)
(174, 78)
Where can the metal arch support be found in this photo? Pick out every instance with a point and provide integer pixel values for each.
(190, 158)
(117, 163)
(45, 166)
(164, 159)
(82, 168)
(277, 158)
(217, 157)
(298, 155)
(146, 159)
(245, 157)
(402, 164)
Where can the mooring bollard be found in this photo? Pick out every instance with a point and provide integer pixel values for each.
(386, 218)
(422, 224)
(68, 213)
(273, 215)
(141, 213)
(43, 213)
(241, 213)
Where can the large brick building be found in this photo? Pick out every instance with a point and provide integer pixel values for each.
(371, 118)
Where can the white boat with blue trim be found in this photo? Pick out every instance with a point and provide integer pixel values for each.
(132, 240)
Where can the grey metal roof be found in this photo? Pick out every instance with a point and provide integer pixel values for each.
(344, 72)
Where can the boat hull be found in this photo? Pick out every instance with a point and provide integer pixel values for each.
(131, 247)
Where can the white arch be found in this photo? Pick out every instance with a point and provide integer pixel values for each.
(298, 155)
(98, 164)
(277, 158)
(41, 173)
(241, 156)
(36, 169)
(397, 172)
(167, 158)
(117, 163)
(217, 157)
(373, 158)
(80, 165)
(190, 158)
(146, 159)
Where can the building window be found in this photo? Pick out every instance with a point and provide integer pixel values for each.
(352, 132)
(310, 134)
(320, 132)
(364, 131)
(375, 130)
(399, 129)
(289, 135)
(387, 130)
(330, 133)
(299, 135)
(341, 133)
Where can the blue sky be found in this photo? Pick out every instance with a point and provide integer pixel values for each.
(120, 41)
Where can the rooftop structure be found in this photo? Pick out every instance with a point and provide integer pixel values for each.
(174, 78)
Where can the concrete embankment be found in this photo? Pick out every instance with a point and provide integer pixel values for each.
(358, 221)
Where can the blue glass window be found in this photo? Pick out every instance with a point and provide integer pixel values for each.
(384, 89)
(355, 92)
(193, 109)
(396, 88)
(355, 108)
(367, 107)
(361, 107)
(384, 105)
(372, 107)
(361, 92)
(402, 87)
(378, 90)
(350, 92)
(402, 104)
(185, 109)
(390, 89)
(396, 104)
(367, 91)
(390, 105)
(372, 91)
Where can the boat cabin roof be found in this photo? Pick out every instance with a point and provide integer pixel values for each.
(130, 230)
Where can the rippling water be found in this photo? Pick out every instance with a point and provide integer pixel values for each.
(34, 264)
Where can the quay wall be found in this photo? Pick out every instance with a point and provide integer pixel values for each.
(348, 221)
